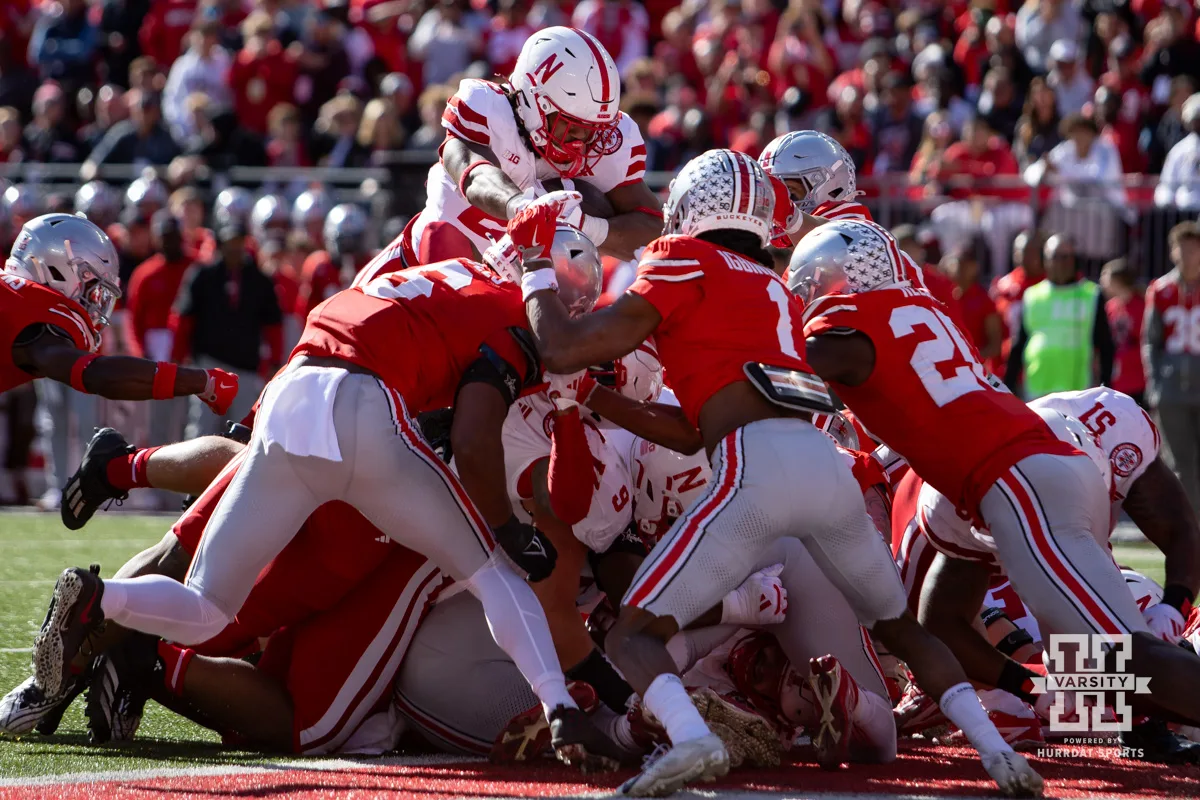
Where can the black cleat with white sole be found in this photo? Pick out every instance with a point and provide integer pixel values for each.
(28, 708)
(123, 678)
(74, 614)
(88, 488)
(579, 743)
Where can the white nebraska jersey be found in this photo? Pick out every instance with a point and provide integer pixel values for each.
(1121, 426)
(527, 441)
(481, 113)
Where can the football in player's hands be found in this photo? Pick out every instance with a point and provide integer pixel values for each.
(532, 229)
(528, 548)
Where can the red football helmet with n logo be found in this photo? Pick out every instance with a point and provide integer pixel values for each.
(568, 98)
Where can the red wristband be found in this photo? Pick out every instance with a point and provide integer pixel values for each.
(462, 179)
(77, 372)
(164, 381)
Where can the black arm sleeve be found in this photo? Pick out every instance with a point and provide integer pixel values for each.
(1016, 357)
(1102, 341)
(495, 365)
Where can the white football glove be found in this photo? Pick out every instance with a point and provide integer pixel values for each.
(1165, 622)
(760, 600)
(568, 391)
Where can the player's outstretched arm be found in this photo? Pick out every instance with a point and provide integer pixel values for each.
(568, 345)
(662, 424)
(475, 169)
(636, 221)
(48, 355)
(1158, 505)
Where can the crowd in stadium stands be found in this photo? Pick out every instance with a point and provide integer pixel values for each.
(944, 91)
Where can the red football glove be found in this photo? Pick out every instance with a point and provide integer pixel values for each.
(532, 229)
(788, 219)
(220, 390)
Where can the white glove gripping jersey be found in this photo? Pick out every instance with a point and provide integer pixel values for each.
(1122, 427)
(527, 440)
(480, 113)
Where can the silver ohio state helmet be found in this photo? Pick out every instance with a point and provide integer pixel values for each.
(567, 83)
(576, 266)
(147, 194)
(233, 205)
(817, 162)
(844, 257)
(99, 202)
(345, 230)
(73, 257)
(720, 190)
(310, 209)
(270, 219)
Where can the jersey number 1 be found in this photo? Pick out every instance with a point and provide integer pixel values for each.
(781, 297)
(932, 357)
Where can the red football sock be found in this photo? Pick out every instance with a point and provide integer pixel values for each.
(176, 660)
(129, 471)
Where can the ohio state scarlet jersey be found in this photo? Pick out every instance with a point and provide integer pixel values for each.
(719, 311)
(420, 328)
(481, 113)
(527, 432)
(320, 279)
(1180, 312)
(928, 397)
(1123, 429)
(24, 303)
(842, 209)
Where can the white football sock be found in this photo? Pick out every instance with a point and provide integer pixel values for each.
(961, 706)
(163, 607)
(518, 625)
(667, 700)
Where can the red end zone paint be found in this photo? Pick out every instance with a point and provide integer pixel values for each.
(921, 769)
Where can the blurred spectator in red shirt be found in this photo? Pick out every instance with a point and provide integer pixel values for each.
(152, 290)
(164, 28)
(676, 48)
(1122, 78)
(507, 35)
(263, 74)
(752, 137)
(1007, 290)
(980, 319)
(1122, 135)
(1126, 306)
(621, 26)
(187, 206)
(285, 145)
(799, 57)
(980, 154)
(971, 51)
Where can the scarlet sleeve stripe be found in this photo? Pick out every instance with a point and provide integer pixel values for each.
(467, 113)
(636, 167)
(849, 211)
(467, 134)
(74, 320)
(637, 150)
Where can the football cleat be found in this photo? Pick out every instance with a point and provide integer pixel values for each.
(835, 694)
(1012, 774)
(527, 735)
(27, 707)
(74, 614)
(123, 678)
(749, 738)
(917, 712)
(667, 771)
(1157, 744)
(88, 488)
(577, 742)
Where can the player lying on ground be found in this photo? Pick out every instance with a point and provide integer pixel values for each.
(716, 309)
(57, 294)
(875, 338)
(310, 448)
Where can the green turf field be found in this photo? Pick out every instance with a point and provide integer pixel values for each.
(35, 548)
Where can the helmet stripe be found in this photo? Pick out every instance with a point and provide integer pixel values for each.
(599, 55)
(745, 184)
